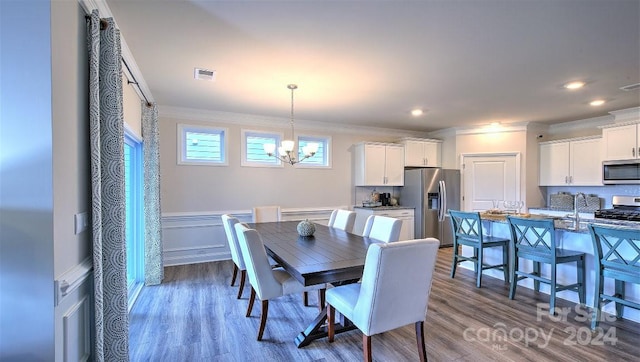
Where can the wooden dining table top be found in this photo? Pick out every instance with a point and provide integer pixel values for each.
(329, 256)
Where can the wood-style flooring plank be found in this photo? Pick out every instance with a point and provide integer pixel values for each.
(194, 316)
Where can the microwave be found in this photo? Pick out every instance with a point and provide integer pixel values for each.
(621, 172)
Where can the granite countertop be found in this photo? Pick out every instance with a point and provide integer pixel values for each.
(384, 207)
(563, 223)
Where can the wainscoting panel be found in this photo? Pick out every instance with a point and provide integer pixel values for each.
(76, 324)
(198, 237)
(74, 314)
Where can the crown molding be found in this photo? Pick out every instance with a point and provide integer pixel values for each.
(588, 123)
(514, 127)
(202, 115)
(626, 114)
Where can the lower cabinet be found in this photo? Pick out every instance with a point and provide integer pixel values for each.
(406, 215)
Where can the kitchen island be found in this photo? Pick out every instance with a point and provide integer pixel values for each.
(568, 237)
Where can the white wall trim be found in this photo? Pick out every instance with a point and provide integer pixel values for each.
(489, 129)
(625, 114)
(76, 326)
(570, 140)
(618, 124)
(202, 115)
(70, 280)
(199, 237)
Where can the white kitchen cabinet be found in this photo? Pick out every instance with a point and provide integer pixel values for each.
(621, 142)
(420, 152)
(576, 162)
(379, 164)
(406, 215)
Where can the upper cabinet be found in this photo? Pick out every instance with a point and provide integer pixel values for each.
(420, 152)
(572, 162)
(621, 142)
(379, 164)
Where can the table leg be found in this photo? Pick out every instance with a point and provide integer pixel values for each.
(318, 329)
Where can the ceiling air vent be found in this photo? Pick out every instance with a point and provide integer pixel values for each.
(631, 87)
(204, 74)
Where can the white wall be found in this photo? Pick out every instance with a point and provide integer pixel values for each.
(187, 188)
(194, 197)
(71, 183)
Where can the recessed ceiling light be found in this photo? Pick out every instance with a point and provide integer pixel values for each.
(574, 85)
(417, 112)
(597, 102)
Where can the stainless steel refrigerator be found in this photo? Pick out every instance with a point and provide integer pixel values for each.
(432, 192)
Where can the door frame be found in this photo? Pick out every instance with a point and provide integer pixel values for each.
(490, 154)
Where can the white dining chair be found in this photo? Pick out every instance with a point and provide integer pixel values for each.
(342, 219)
(229, 222)
(382, 228)
(266, 283)
(394, 291)
(266, 214)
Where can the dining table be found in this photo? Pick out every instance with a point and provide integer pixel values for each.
(328, 256)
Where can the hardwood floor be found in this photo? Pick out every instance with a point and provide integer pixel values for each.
(194, 316)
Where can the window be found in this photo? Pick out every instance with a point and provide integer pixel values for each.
(322, 158)
(200, 145)
(253, 154)
(134, 222)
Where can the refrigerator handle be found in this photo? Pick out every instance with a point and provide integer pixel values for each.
(443, 201)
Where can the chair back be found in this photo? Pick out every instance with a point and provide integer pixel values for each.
(258, 268)
(396, 283)
(229, 222)
(533, 236)
(266, 214)
(618, 250)
(342, 219)
(382, 228)
(466, 225)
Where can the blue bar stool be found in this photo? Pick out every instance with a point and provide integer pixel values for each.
(535, 240)
(467, 230)
(617, 256)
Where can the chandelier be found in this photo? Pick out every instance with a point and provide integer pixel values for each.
(287, 152)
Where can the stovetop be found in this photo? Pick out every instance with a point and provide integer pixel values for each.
(624, 208)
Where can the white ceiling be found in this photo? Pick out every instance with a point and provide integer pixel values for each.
(368, 63)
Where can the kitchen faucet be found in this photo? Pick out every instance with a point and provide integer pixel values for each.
(576, 214)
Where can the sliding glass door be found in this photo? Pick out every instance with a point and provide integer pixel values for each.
(134, 216)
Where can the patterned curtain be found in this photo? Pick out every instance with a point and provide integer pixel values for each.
(107, 188)
(153, 264)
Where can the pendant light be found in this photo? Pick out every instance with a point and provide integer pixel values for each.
(287, 152)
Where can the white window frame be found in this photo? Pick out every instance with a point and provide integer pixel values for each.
(327, 147)
(278, 136)
(182, 150)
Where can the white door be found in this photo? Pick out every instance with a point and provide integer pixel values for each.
(489, 177)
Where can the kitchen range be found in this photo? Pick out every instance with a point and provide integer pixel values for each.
(624, 208)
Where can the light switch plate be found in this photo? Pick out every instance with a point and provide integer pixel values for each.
(80, 222)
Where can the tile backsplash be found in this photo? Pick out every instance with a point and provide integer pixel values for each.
(604, 192)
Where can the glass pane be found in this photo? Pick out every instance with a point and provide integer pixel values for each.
(320, 158)
(201, 146)
(255, 148)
